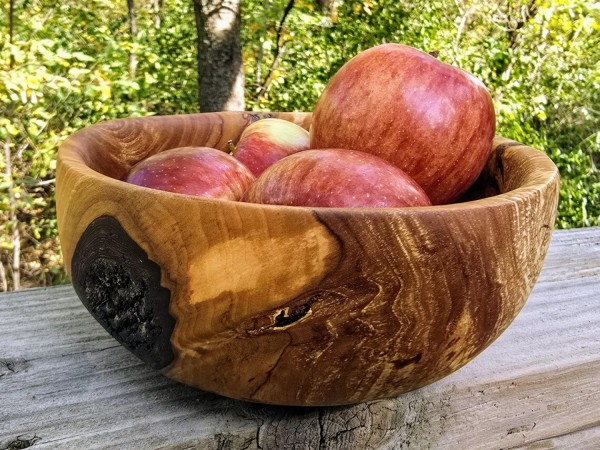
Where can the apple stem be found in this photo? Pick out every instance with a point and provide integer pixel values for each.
(230, 147)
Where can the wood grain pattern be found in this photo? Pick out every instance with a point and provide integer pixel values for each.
(310, 306)
(65, 383)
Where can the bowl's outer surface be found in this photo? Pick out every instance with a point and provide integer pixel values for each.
(299, 306)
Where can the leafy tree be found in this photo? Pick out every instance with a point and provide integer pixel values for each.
(54, 81)
(66, 65)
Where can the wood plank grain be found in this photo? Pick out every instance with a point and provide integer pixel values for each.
(64, 383)
(586, 438)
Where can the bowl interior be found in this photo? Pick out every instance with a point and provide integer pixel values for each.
(116, 146)
(113, 148)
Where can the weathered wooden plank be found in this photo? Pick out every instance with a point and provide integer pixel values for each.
(587, 438)
(64, 383)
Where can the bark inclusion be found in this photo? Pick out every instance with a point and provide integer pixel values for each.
(120, 286)
(121, 303)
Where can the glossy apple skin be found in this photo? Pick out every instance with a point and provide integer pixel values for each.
(266, 141)
(336, 178)
(434, 121)
(200, 171)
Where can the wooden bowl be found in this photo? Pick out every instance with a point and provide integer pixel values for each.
(293, 305)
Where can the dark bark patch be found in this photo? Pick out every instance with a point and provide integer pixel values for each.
(120, 286)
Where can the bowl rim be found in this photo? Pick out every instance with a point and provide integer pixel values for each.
(70, 155)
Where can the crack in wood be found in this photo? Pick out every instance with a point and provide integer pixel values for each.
(321, 429)
(291, 315)
(258, 445)
(11, 366)
(20, 442)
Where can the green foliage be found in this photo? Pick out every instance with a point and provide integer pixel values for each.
(540, 60)
(167, 60)
(67, 67)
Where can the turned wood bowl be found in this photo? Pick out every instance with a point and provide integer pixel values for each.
(296, 305)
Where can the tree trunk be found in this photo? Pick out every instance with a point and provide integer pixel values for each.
(3, 282)
(133, 32)
(220, 68)
(11, 29)
(156, 7)
(15, 264)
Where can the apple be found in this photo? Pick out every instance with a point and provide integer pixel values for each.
(335, 178)
(199, 171)
(432, 120)
(268, 140)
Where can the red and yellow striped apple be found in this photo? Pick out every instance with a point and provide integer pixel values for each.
(268, 140)
(335, 178)
(432, 120)
(200, 171)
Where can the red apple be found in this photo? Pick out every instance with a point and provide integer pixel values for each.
(199, 171)
(434, 121)
(268, 140)
(335, 178)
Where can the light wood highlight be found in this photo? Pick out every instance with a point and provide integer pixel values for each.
(302, 306)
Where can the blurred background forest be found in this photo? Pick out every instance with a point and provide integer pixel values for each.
(65, 65)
